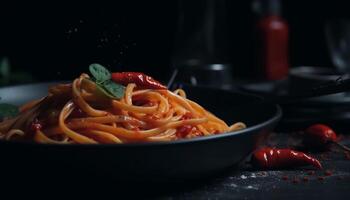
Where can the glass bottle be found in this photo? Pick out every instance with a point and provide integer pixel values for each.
(201, 44)
(272, 41)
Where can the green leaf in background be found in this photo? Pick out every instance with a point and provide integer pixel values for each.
(8, 110)
(5, 70)
(115, 89)
(100, 73)
(4, 67)
(10, 76)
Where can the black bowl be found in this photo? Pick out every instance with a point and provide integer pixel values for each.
(162, 161)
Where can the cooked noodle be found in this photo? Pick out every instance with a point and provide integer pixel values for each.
(78, 113)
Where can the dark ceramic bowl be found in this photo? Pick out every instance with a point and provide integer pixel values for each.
(163, 161)
(307, 77)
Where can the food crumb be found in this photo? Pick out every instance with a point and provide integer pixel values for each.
(328, 173)
(305, 179)
(312, 172)
(244, 177)
(285, 178)
(321, 178)
(347, 155)
(233, 185)
(264, 173)
(296, 180)
(253, 175)
(251, 187)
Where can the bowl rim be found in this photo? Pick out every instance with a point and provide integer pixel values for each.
(312, 73)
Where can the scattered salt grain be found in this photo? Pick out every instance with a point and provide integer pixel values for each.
(251, 187)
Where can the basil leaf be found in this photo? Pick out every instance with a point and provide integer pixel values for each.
(100, 73)
(104, 84)
(101, 90)
(114, 89)
(8, 110)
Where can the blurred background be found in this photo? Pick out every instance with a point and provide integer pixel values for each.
(54, 41)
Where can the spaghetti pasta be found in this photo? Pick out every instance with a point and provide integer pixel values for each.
(78, 113)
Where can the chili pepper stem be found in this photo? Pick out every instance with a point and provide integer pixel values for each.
(342, 146)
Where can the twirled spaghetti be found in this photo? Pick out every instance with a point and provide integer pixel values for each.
(79, 113)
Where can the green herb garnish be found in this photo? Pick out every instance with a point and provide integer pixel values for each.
(100, 73)
(115, 89)
(102, 78)
(101, 90)
(8, 110)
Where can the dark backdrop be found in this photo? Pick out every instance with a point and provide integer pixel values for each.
(60, 39)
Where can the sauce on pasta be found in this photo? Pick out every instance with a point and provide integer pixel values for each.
(79, 113)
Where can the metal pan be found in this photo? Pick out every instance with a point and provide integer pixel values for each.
(177, 160)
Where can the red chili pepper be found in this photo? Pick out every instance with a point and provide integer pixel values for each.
(187, 115)
(320, 136)
(271, 158)
(140, 79)
(183, 131)
(36, 125)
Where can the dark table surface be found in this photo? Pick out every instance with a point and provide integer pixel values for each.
(244, 182)
(240, 182)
